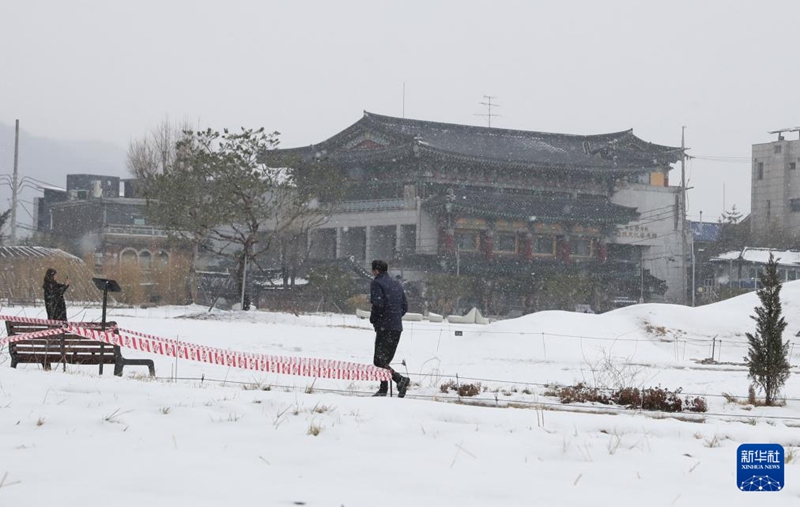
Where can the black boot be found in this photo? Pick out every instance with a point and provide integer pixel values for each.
(402, 387)
(382, 390)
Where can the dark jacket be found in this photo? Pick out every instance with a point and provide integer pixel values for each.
(54, 300)
(389, 303)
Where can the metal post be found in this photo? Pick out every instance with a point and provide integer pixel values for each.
(103, 328)
(694, 290)
(641, 274)
(244, 278)
(683, 214)
(14, 186)
(105, 302)
(713, 347)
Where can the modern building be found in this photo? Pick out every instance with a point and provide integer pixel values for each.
(100, 219)
(775, 191)
(444, 198)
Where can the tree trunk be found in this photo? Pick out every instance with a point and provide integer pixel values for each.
(240, 273)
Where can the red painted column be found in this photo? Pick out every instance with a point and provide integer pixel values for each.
(527, 246)
(602, 251)
(449, 235)
(563, 249)
(488, 244)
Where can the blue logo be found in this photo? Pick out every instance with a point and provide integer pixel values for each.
(759, 467)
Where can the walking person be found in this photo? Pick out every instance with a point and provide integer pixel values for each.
(389, 304)
(54, 296)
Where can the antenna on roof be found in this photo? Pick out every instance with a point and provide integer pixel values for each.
(404, 99)
(781, 131)
(489, 105)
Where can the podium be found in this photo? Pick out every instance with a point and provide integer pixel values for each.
(106, 285)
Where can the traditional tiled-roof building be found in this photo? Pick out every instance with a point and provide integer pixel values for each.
(435, 197)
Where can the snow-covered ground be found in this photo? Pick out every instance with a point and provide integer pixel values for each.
(236, 437)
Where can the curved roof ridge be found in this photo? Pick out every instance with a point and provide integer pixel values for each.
(492, 130)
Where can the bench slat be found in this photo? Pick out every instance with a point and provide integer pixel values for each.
(50, 358)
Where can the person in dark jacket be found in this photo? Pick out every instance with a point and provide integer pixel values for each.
(389, 304)
(54, 296)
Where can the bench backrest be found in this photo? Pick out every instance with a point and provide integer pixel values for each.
(72, 343)
(14, 327)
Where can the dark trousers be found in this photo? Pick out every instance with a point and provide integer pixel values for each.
(386, 341)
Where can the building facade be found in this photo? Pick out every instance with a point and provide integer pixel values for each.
(100, 220)
(775, 190)
(443, 198)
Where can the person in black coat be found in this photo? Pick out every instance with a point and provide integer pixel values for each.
(389, 304)
(54, 296)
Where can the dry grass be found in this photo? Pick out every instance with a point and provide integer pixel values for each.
(653, 398)
(314, 429)
(462, 389)
(4, 483)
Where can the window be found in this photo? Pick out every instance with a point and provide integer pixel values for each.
(467, 241)
(777, 148)
(794, 204)
(505, 242)
(760, 170)
(544, 245)
(580, 247)
(792, 166)
(769, 209)
(792, 274)
(408, 238)
(163, 257)
(128, 256)
(145, 260)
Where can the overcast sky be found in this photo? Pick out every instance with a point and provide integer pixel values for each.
(111, 70)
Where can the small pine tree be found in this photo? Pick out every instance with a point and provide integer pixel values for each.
(767, 357)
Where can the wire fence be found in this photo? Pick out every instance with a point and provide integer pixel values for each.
(498, 402)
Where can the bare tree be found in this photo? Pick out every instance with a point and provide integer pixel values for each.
(152, 153)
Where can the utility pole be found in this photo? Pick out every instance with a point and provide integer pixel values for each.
(683, 214)
(489, 105)
(14, 185)
(641, 274)
(694, 288)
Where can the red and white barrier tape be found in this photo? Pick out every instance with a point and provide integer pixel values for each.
(30, 336)
(32, 320)
(303, 366)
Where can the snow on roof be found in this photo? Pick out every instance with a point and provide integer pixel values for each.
(19, 252)
(761, 256)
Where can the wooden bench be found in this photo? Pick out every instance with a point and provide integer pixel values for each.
(68, 348)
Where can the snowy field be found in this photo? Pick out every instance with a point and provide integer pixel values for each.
(236, 437)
